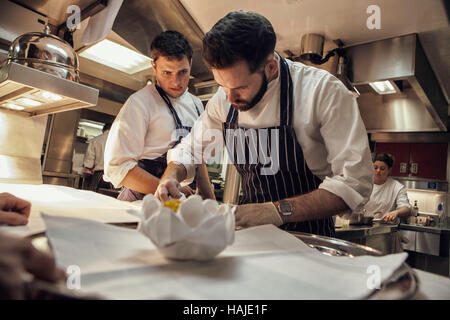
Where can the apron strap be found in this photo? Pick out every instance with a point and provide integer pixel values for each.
(232, 115)
(169, 104)
(286, 93)
(196, 108)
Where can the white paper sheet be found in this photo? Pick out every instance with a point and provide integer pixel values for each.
(68, 202)
(263, 263)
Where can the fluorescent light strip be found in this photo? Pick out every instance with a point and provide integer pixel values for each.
(12, 106)
(48, 96)
(117, 56)
(28, 102)
(383, 87)
(92, 125)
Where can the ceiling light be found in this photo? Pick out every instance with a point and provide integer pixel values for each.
(92, 125)
(28, 102)
(117, 56)
(12, 106)
(48, 96)
(20, 82)
(383, 87)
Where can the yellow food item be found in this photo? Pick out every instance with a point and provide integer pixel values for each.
(172, 204)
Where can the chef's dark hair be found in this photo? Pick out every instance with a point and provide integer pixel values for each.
(170, 44)
(240, 35)
(386, 158)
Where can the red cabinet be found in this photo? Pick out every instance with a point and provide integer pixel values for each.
(422, 160)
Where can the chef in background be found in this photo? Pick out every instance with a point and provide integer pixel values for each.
(152, 121)
(93, 159)
(389, 200)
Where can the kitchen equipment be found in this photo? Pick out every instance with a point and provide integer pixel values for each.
(423, 220)
(311, 46)
(415, 209)
(40, 76)
(361, 220)
(45, 52)
(403, 284)
(379, 220)
(442, 218)
(411, 219)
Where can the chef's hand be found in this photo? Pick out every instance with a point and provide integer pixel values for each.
(168, 187)
(88, 171)
(17, 256)
(390, 216)
(255, 214)
(13, 210)
(188, 191)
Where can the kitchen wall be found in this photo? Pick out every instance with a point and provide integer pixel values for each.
(429, 200)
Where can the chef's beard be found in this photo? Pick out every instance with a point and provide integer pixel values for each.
(262, 90)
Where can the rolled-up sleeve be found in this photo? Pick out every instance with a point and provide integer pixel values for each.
(346, 141)
(402, 199)
(125, 141)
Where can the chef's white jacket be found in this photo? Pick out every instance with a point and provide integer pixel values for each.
(327, 124)
(93, 158)
(145, 129)
(387, 197)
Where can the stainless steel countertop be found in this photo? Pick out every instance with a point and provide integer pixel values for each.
(367, 230)
(417, 227)
(377, 228)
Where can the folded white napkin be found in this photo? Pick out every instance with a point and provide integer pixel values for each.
(200, 229)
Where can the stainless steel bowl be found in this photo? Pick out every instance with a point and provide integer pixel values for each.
(47, 53)
(403, 284)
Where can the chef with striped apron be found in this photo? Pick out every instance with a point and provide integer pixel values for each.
(293, 177)
(158, 165)
(309, 119)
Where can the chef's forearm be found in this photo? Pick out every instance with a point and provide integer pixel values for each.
(403, 212)
(203, 184)
(317, 204)
(175, 170)
(140, 180)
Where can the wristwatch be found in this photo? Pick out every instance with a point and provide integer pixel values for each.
(285, 209)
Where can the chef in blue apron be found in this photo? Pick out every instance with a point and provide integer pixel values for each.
(152, 121)
(293, 132)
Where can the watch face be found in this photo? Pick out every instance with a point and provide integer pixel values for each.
(285, 207)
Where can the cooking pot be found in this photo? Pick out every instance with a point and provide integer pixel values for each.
(360, 219)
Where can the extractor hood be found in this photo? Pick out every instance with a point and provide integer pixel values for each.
(418, 104)
(40, 77)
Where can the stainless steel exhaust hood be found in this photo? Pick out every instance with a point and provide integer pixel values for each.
(418, 105)
(40, 77)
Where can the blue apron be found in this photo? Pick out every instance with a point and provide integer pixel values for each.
(293, 176)
(158, 165)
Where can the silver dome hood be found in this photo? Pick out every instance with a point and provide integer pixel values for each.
(40, 76)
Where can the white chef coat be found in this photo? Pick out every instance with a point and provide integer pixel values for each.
(145, 129)
(387, 197)
(327, 124)
(95, 152)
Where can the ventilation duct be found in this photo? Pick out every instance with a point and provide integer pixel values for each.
(418, 104)
(311, 47)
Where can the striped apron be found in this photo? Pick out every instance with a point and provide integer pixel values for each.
(158, 165)
(293, 176)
